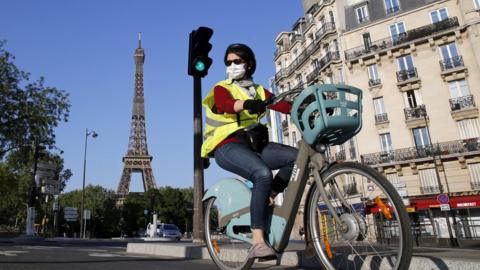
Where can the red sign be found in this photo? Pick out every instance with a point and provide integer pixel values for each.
(442, 198)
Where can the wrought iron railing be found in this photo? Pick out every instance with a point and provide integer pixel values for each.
(475, 185)
(381, 118)
(415, 113)
(340, 155)
(451, 63)
(326, 27)
(456, 147)
(407, 74)
(430, 189)
(392, 9)
(423, 32)
(374, 82)
(461, 103)
(322, 64)
(350, 188)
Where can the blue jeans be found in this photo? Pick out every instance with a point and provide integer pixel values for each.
(238, 158)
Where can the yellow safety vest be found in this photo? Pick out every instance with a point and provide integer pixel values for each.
(219, 126)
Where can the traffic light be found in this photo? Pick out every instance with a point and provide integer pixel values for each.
(198, 60)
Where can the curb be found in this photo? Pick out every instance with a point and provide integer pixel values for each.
(294, 258)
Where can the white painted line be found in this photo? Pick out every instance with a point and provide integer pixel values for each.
(104, 255)
(12, 253)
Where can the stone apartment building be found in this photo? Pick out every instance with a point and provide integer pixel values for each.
(418, 64)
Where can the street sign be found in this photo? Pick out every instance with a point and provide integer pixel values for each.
(444, 207)
(55, 206)
(443, 198)
(87, 214)
(70, 213)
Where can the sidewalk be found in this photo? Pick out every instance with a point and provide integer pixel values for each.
(423, 258)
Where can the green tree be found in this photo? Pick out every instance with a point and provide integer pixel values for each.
(29, 111)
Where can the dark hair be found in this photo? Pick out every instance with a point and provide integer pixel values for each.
(246, 54)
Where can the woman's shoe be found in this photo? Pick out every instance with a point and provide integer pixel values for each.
(262, 252)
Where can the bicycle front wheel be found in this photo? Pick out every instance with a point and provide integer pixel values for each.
(373, 230)
(227, 252)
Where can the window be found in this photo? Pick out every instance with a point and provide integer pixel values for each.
(412, 98)
(362, 14)
(450, 57)
(439, 15)
(429, 181)
(448, 51)
(468, 128)
(458, 88)
(367, 41)
(420, 136)
(353, 152)
(391, 6)
(405, 63)
(474, 170)
(378, 106)
(386, 142)
(477, 4)
(373, 72)
(393, 178)
(396, 30)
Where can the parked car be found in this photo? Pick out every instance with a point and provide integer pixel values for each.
(169, 231)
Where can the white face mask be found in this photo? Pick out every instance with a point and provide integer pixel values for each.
(235, 72)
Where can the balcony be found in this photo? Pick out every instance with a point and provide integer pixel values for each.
(475, 185)
(415, 35)
(407, 155)
(381, 118)
(328, 27)
(430, 189)
(415, 113)
(451, 63)
(462, 103)
(340, 155)
(404, 76)
(350, 188)
(323, 63)
(278, 51)
(392, 9)
(374, 82)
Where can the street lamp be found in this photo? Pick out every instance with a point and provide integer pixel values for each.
(94, 135)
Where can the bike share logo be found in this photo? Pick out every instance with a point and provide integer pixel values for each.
(295, 173)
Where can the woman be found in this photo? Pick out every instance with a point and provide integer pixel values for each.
(232, 107)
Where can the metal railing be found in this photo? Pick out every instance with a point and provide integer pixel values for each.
(326, 27)
(340, 155)
(420, 33)
(475, 185)
(322, 64)
(374, 82)
(381, 118)
(451, 63)
(461, 103)
(456, 147)
(415, 113)
(430, 189)
(392, 9)
(407, 74)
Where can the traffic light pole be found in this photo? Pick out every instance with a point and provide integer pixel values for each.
(198, 230)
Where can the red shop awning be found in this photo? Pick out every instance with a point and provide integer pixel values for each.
(457, 202)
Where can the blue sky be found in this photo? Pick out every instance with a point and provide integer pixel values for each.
(86, 48)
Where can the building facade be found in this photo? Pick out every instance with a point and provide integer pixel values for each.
(417, 63)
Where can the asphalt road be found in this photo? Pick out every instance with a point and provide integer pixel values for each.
(92, 256)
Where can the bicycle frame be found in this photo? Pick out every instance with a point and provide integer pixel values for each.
(234, 198)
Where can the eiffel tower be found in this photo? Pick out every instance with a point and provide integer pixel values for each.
(137, 158)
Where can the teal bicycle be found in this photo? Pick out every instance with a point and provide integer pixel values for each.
(353, 216)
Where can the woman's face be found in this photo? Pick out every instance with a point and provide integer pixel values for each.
(233, 58)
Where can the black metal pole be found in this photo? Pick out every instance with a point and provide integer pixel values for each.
(83, 185)
(198, 231)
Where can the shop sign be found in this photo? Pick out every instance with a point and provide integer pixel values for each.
(444, 207)
(467, 204)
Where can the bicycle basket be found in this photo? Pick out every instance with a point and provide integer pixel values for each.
(329, 114)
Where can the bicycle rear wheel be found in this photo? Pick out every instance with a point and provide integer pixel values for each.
(374, 232)
(228, 253)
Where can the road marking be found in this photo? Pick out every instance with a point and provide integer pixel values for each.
(12, 253)
(39, 247)
(104, 255)
(91, 250)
